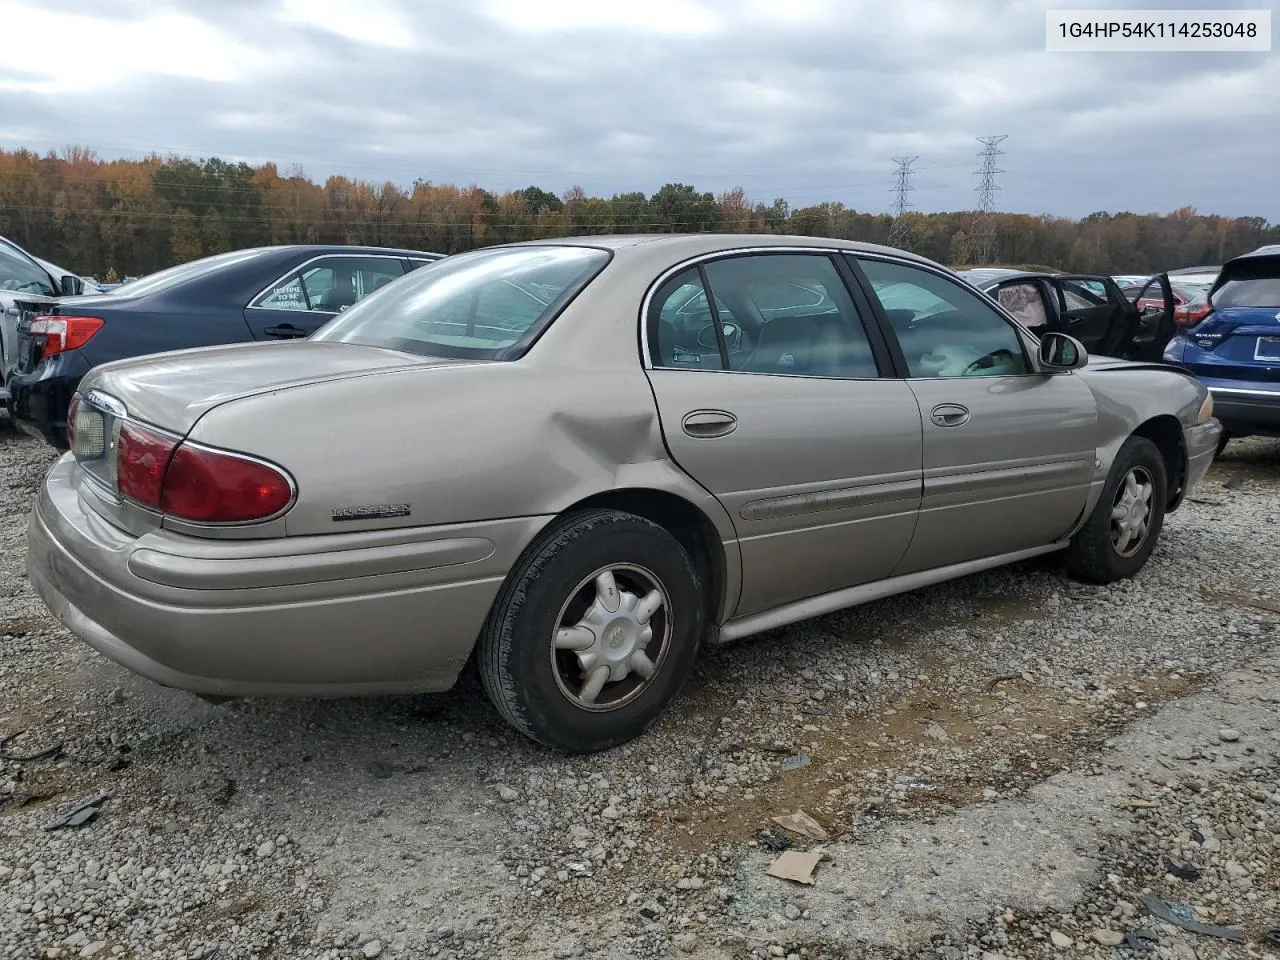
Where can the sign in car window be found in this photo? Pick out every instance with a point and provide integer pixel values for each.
(287, 296)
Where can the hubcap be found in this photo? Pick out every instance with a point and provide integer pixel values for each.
(611, 637)
(1131, 512)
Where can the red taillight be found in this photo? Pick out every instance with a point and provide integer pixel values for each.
(1189, 315)
(142, 456)
(59, 334)
(209, 486)
(190, 482)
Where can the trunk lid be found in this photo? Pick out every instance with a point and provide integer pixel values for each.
(173, 390)
(1238, 343)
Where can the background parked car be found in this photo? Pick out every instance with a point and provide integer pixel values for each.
(1188, 298)
(1234, 346)
(1090, 308)
(263, 293)
(26, 279)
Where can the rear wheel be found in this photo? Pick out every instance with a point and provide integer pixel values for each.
(1222, 443)
(593, 633)
(1120, 534)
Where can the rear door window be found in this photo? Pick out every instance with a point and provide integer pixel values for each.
(332, 284)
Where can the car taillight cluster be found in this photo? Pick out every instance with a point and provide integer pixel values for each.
(1190, 314)
(191, 482)
(60, 334)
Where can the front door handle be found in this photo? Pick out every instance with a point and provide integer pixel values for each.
(286, 331)
(707, 424)
(949, 414)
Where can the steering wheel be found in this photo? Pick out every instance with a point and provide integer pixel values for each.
(987, 361)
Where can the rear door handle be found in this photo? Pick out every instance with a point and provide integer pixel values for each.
(285, 331)
(707, 424)
(949, 414)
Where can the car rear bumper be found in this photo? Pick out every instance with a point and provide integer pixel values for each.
(38, 401)
(346, 614)
(1246, 406)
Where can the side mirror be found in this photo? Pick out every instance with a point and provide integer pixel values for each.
(1060, 353)
(71, 286)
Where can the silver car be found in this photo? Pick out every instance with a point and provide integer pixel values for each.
(542, 455)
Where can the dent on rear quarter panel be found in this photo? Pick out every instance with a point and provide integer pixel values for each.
(455, 444)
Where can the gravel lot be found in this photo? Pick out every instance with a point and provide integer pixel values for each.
(1001, 766)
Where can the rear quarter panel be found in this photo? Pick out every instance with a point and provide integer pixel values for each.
(148, 327)
(457, 444)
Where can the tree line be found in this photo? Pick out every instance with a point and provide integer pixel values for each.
(116, 218)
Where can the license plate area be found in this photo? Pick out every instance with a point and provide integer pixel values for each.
(1268, 348)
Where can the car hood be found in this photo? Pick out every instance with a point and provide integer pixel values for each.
(173, 390)
(1105, 364)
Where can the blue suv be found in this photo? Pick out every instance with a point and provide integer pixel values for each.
(1234, 346)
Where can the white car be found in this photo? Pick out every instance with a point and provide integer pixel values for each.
(26, 279)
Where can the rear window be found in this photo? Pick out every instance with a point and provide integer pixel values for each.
(191, 270)
(486, 305)
(1251, 285)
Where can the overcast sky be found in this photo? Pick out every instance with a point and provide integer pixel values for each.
(804, 99)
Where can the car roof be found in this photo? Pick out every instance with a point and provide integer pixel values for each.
(693, 244)
(322, 248)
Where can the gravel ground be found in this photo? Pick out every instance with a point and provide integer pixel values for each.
(999, 766)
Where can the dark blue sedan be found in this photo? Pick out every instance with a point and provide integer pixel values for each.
(1233, 344)
(263, 293)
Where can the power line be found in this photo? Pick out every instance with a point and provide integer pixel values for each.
(900, 231)
(982, 236)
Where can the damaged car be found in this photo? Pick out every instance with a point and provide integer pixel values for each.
(679, 440)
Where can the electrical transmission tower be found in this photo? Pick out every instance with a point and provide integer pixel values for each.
(982, 236)
(900, 231)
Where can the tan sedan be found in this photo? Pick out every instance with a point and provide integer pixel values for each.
(578, 459)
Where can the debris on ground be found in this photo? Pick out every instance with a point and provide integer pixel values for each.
(1169, 914)
(797, 865)
(80, 815)
(1181, 870)
(49, 752)
(803, 824)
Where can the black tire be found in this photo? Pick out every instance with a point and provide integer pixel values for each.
(515, 652)
(1093, 555)
(1222, 444)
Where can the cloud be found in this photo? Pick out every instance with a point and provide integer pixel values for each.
(803, 99)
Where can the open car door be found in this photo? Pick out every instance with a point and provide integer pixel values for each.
(1156, 320)
(1094, 311)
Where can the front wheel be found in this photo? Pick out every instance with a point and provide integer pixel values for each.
(1123, 528)
(593, 633)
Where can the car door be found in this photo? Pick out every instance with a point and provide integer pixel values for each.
(1094, 311)
(1157, 321)
(1008, 454)
(792, 419)
(309, 296)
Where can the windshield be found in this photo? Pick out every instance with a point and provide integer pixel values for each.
(476, 305)
(20, 273)
(171, 277)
